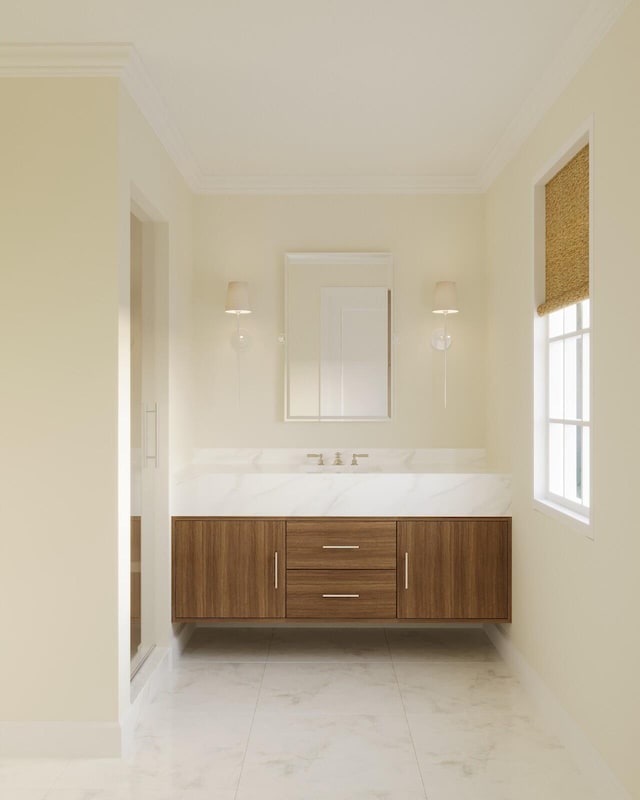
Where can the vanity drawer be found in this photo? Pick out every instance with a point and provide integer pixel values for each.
(341, 544)
(341, 594)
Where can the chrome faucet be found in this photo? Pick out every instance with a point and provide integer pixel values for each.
(356, 456)
(318, 456)
(338, 462)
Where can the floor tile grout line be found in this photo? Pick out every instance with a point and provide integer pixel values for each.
(253, 716)
(404, 709)
(51, 787)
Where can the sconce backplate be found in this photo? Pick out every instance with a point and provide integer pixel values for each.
(240, 339)
(439, 341)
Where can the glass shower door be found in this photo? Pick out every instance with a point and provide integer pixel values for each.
(143, 447)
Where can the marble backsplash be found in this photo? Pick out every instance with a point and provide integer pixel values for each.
(379, 459)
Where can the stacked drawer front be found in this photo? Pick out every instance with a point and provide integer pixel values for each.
(341, 569)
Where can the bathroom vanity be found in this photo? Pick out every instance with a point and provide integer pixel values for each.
(313, 536)
(431, 569)
(422, 535)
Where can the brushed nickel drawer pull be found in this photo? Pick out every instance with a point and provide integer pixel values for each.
(340, 546)
(275, 570)
(341, 595)
(406, 570)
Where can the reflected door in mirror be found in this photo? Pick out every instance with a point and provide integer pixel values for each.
(354, 351)
(338, 324)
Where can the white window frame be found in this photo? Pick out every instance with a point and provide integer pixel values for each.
(574, 515)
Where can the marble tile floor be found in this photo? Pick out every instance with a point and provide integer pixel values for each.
(310, 714)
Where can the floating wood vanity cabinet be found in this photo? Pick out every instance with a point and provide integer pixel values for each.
(318, 570)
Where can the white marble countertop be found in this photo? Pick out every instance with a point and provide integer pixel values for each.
(289, 459)
(391, 483)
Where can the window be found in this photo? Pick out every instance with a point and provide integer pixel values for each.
(562, 335)
(568, 407)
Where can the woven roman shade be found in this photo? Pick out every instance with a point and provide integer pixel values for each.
(567, 235)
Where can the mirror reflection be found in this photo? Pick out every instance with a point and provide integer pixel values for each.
(338, 336)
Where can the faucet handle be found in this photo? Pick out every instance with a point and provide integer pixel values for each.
(356, 456)
(318, 456)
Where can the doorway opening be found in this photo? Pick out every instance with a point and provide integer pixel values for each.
(144, 440)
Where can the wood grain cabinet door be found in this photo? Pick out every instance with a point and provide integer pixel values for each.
(454, 569)
(228, 569)
(480, 558)
(424, 570)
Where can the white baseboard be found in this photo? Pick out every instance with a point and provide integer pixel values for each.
(150, 678)
(93, 739)
(60, 739)
(558, 721)
(87, 739)
(153, 674)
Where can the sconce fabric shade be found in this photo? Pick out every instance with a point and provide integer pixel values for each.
(566, 271)
(237, 298)
(445, 298)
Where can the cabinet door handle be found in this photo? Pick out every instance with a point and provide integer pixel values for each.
(340, 546)
(341, 595)
(406, 570)
(275, 570)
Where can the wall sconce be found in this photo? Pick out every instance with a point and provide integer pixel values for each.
(445, 302)
(238, 303)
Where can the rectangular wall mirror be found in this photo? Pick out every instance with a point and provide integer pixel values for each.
(338, 324)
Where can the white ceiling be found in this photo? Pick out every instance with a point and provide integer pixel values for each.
(298, 89)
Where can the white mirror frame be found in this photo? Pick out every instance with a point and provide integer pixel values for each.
(333, 259)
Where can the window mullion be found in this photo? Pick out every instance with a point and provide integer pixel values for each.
(560, 457)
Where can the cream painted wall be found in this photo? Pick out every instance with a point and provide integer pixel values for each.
(431, 238)
(576, 601)
(65, 200)
(58, 404)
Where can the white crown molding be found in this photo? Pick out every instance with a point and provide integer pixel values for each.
(136, 80)
(122, 61)
(444, 184)
(110, 60)
(63, 60)
(592, 27)
(339, 259)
